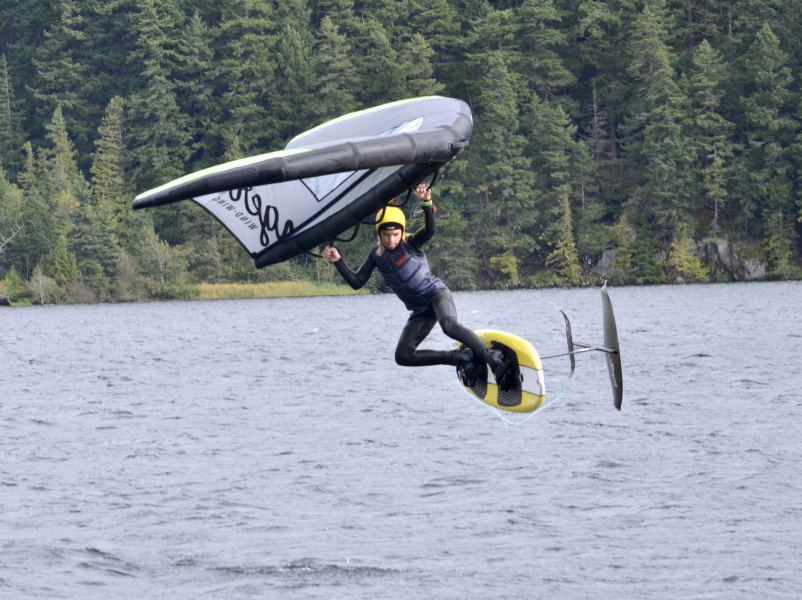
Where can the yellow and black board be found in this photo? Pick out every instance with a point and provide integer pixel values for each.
(529, 389)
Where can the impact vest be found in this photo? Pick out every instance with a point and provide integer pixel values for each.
(407, 272)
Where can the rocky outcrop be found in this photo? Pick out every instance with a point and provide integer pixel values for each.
(604, 267)
(724, 262)
(721, 258)
(5, 301)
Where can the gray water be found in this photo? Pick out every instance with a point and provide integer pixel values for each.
(272, 449)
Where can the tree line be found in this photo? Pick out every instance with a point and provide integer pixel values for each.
(614, 132)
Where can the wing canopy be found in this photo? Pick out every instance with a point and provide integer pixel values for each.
(327, 179)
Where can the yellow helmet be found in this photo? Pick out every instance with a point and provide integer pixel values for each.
(391, 215)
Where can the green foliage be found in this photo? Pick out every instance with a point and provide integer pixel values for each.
(683, 265)
(64, 264)
(13, 285)
(10, 138)
(617, 131)
(710, 133)
(563, 259)
(625, 236)
(335, 74)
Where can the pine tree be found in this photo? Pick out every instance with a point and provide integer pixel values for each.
(769, 136)
(682, 264)
(711, 132)
(291, 101)
(10, 139)
(695, 21)
(65, 266)
(10, 209)
(539, 41)
(36, 239)
(194, 87)
(340, 12)
(27, 177)
(438, 22)
(562, 164)
(393, 14)
(61, 73)
(604, 30)
(502, 181)
(335, 73)
(96, 249)
(564, 259)
(108, 170)
(245, 70)
(647, 251)
(416, 67)
(378, 67)
(656, 127)
(64, 168)
(159, 130)
(625, 237)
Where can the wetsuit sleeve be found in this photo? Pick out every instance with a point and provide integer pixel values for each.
(424, 234)
(356, 279)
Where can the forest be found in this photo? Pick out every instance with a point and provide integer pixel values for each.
(640, 141)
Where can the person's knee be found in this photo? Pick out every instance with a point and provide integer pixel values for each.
(404, 356)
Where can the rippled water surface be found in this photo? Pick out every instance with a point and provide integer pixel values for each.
(272, 449)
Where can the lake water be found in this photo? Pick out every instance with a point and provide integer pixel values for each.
(273, 449)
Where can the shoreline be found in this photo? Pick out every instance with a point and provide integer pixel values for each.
(308, 289)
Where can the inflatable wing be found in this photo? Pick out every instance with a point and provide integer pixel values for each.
(328, 179)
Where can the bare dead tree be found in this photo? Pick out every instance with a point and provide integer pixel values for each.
(5, 238)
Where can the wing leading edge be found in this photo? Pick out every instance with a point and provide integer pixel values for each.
(284, 203)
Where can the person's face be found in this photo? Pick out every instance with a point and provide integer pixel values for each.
(390, 238)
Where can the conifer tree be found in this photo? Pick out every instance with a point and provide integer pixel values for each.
(438, 22)
(416, 68)
(244, 75)
(335, 73)
(159, 130)
(96, 249)
(564, 259)
(341, 13)
(562, 164)
(604, 30)
(10, 209)
(108, 170)
(769, 137)
(36, 238)
(64, 167)
(539, 41)
(291, 100)
(624, 236)
(194, 87)
(682, 264)
(656, 127)
(378, 67)
(646, 251)
(27, 177)
(711, 132)
(393, 14)
(61, 73)
(502, 181)
(65, 266)
(10, 139)
(694, 21)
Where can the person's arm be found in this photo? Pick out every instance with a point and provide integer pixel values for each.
(423, 235)
(356, 279)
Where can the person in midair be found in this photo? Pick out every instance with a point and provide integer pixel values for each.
(405, 269)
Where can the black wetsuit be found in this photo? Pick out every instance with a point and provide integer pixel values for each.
(406, 270)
